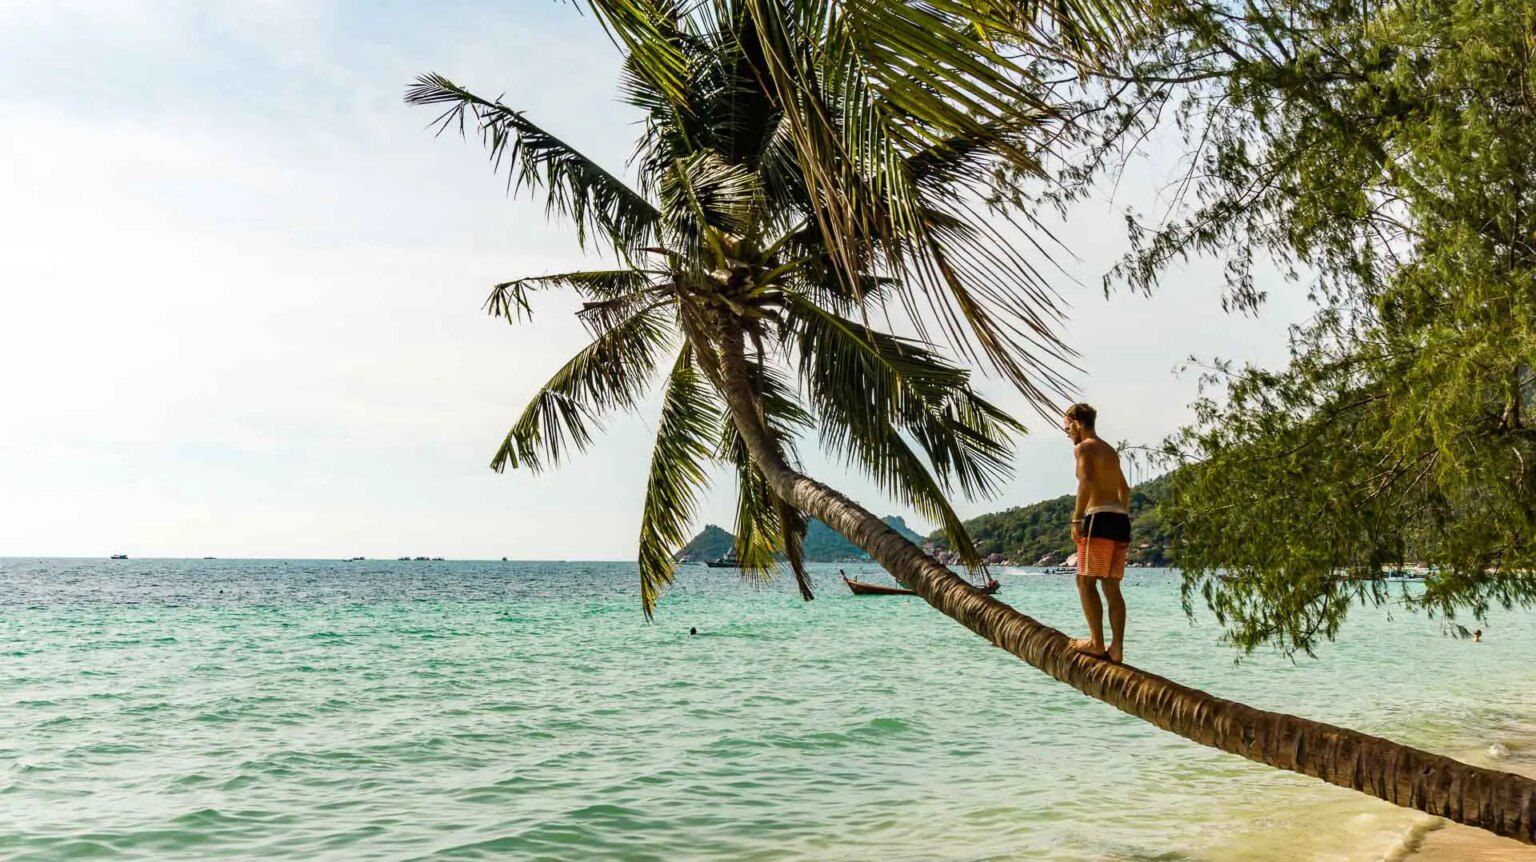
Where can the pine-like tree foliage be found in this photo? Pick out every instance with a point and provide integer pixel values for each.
(1385, 153)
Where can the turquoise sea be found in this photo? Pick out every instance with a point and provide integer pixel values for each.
(267, 709)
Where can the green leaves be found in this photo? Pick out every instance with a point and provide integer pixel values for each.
(703, 193)
(647, 29)
(852, 370)
(1383, 152)
(575, 187)
(610, 373)
(759, 534)
(509, 300)
(872, 391)
(685, 438)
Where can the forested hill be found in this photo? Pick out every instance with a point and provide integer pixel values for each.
(1023, 534)
(711, 543)
(1026, 534)
(822, 543)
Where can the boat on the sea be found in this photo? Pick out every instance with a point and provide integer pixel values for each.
(119, 556)
(861, 588)
(725, 561)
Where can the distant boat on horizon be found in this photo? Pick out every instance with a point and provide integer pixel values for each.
(119, 557)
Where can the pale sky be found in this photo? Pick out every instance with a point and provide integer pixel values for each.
(240, 289)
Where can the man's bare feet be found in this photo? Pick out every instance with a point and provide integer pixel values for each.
(1115, 653)
(1086, 646)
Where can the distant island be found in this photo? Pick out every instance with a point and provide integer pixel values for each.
(1039, 534)
(822, 543)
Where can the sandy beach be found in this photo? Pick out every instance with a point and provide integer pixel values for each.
(1456, 843)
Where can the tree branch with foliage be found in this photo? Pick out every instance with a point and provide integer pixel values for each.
(1383, 153)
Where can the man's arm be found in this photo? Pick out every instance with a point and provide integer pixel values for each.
(1125, 491)
(1084, 487)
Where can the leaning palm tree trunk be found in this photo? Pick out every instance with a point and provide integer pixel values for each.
(1500, 802)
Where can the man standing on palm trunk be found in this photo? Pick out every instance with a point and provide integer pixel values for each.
(1101, 529)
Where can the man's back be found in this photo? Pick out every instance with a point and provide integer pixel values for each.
(1098, 466)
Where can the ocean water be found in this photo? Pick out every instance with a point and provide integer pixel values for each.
(175, 709)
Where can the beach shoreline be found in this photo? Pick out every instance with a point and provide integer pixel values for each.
(1444, 841)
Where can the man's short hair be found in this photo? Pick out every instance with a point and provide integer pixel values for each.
(1083, 414)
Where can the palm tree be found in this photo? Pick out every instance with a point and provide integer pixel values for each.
(800, 178)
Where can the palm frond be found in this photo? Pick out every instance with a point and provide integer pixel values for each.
(873, 391)
(793, 524)
(647, 31)
(888, 105)
(703, 192)
(685, 436)
(992, 303)
(852, 370)
(862, 84)
(966, 439)
(968, 159)
(875, 445)
(759, 534)
(728, 111)
(599, 317)
(1081, 31)
(883, 368)
(611, 373)
(509, 299)
(576, 187)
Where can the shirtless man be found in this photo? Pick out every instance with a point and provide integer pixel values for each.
(1101, 529)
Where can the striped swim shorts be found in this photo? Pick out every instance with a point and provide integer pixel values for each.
(1105, 539)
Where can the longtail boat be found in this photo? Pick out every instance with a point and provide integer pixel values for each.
(860, 588)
